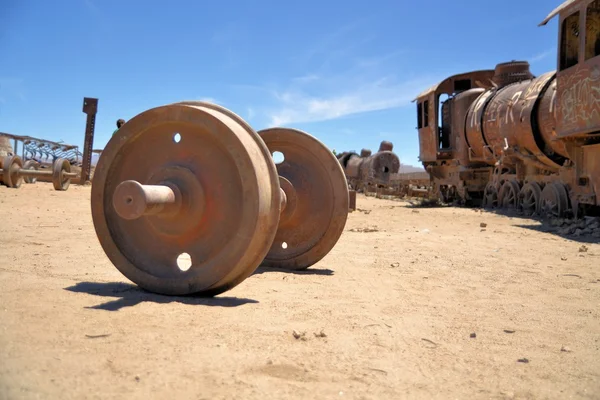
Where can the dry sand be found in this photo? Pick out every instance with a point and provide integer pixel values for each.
(428, 305)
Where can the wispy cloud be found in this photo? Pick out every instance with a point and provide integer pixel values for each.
(210, 100)
(541, 56)
(347, 80)
(296, 106)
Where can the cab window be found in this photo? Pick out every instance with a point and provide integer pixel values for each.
(569, 42)
(592, 30)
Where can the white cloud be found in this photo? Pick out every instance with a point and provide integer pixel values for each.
(352, 95)
(250, 113)
(540, 56)
(210, 100)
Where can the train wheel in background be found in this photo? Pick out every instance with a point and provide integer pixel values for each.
(554, 200)
(508, 197)
(530, 198)
(490, 196)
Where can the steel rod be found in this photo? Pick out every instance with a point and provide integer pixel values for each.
(133, 200)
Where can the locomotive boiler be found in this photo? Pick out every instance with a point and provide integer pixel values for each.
(505, 138)
(367, 171)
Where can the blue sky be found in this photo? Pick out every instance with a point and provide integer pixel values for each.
(343, 71)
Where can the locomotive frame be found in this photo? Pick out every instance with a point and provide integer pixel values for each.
(505, 138)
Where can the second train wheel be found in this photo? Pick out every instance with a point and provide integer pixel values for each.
(490, 196)
(554, 200)
(59, 181)
(509, 195)
(180, 182)
(10, 175)
(315, 213)
(530, 198)
(30, 165)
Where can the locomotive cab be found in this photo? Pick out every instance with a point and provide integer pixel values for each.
(434, 114)
(578, 68)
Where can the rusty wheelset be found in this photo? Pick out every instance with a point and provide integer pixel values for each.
(193, 181)
(13, 172)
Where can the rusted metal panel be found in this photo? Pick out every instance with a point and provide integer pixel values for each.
(546, 122)
(508, 122)
(591, 170)
(428, 135)
(480, 78)
(578, 99)
(461, 105)
(90, 107)
(565, 7)
(479, 149)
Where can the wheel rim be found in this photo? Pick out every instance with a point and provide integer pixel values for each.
(509, 195)
(228, 239)
(317, 199)
(490, 196)
(554, 200)
(530, 198)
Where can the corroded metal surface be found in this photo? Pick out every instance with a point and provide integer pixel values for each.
(229, 194)
(60, 178)
(530, 143)
(511, 72)
(31, 165)
(90, 107)
(311, 226)
(11, 165)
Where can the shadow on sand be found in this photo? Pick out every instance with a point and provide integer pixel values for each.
(542, 225)
(308, 271)
(131, 295)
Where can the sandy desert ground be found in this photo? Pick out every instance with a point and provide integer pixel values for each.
(425, 304)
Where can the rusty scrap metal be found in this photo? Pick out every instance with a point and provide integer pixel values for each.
(13, 172)
(509, 139)
(368, 169)
(90, 107)
(352, 200)
(193, 180)
(44, 151)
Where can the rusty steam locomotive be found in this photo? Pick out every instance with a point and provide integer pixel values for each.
(504, 138)
(380, 173)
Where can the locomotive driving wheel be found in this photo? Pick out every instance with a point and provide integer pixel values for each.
(554, 200)
(490, 196)
(530, 198)
(509, 195)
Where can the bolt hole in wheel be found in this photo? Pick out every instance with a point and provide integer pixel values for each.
(177, 138)
(184, 261)
(284, 245)
(278, 157)
(129, 200)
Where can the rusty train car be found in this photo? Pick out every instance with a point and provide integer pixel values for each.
(505, 138)
(368, 171)
(380, 173)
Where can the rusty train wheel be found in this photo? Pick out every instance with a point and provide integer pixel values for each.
(554, 200)
(509, 195)
(490, 196)
(530, 198)
(30, 165)
(317, 199)
(186, 180)
(10, 175)
(59, 167)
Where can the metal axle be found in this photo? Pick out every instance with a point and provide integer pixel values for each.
(132, 200)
